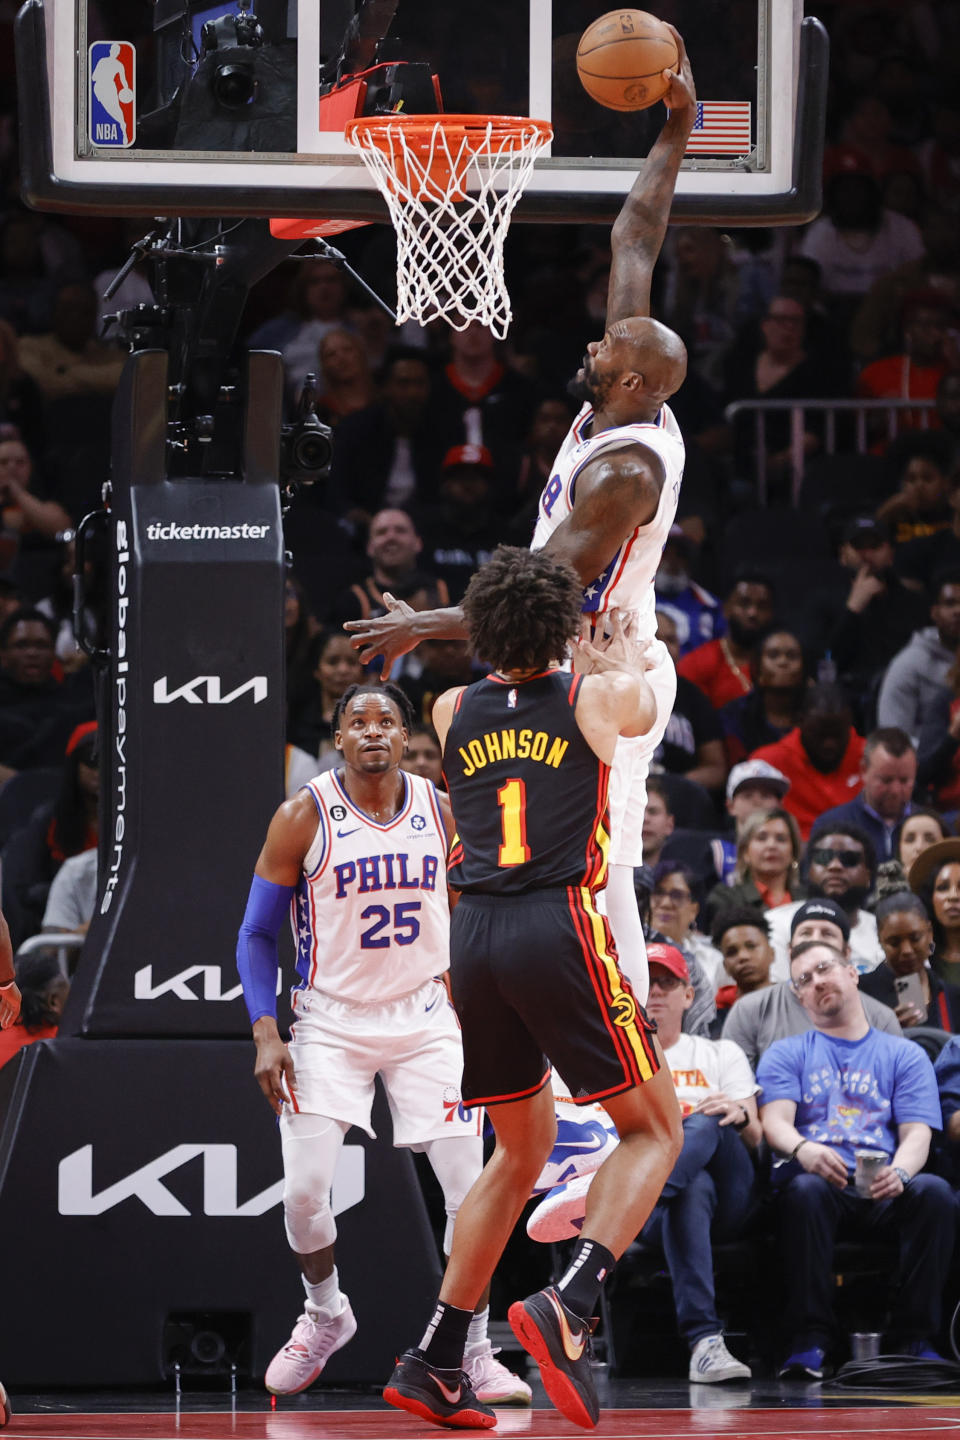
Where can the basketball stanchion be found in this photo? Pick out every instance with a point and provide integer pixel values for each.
(451, 183)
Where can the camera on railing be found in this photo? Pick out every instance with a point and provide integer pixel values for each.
(306, 444)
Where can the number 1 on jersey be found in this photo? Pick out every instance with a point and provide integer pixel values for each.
(512, 799)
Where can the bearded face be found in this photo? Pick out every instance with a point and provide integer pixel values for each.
(590, 385)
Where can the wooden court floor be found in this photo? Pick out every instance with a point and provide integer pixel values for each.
(631, 1412)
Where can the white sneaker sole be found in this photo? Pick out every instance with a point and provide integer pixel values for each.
(717, 1377)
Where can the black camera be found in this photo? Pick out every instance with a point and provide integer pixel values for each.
(234, 83)
(240, 29)
(306, 445)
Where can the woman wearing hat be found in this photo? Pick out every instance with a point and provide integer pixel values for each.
(935, 877)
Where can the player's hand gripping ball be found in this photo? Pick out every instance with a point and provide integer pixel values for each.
(621, 59)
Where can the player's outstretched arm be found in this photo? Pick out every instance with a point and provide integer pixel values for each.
(642, 223)
(401, 630)
(612, 703)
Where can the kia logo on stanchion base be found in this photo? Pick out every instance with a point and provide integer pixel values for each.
(213, 685)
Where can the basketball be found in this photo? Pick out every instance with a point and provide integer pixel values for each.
(620, 58)
(125, 96)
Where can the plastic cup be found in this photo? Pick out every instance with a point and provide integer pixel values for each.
(868, 1163)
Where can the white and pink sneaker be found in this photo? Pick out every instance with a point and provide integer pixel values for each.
(560, 1214)
(492, 1382)
(309, 1348)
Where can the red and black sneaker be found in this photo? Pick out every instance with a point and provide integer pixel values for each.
(559, 1341)
(445, 1397)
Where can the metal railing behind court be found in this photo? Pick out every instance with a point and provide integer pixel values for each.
(798, 410)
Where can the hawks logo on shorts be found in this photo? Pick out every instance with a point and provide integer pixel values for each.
(624, 1008)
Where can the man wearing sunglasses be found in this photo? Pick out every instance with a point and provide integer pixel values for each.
(840, 1087)
(841, 866)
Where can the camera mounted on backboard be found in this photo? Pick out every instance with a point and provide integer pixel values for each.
(242, 28)
(234, 83)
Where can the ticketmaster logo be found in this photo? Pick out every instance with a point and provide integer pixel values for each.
(157, 531)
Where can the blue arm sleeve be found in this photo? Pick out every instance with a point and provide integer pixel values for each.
(267, 908)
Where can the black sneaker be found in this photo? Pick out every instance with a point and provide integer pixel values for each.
(444, 1397)
(559, 1341)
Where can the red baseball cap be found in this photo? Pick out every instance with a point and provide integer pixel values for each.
(668, 957)
(468, 455)
(88, 728)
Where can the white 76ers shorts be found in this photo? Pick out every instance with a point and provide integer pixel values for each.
(631, 765)
(339, 1047)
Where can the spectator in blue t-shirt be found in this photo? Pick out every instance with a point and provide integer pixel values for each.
(836, 1089)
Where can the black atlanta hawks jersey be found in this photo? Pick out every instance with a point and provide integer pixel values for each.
(529, 796)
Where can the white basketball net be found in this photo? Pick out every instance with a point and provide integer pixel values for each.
(451, 191)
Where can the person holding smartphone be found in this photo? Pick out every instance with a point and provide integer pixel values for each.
(904, 980)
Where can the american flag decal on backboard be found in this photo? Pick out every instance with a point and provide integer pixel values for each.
(722, 128)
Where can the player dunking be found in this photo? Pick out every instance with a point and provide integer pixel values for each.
(534, 974)
(358, 858)
(611, 499)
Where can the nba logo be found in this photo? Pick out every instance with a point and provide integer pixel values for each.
(113, 91)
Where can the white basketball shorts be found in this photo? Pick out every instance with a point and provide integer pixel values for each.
(338, 1047)
(631, 765)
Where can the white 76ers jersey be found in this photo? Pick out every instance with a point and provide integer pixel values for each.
(627, 581)
(370, 916)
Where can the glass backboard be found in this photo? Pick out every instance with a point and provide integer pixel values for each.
(181, 107)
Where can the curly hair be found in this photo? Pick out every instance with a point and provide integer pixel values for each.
(731, 917)
(522, 609)
(392, 692)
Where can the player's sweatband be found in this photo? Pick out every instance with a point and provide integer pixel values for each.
(268, 905)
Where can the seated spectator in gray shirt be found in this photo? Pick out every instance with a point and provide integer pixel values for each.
(774, 1012)
(73, 894)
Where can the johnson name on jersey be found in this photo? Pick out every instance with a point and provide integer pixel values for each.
(370, 916)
